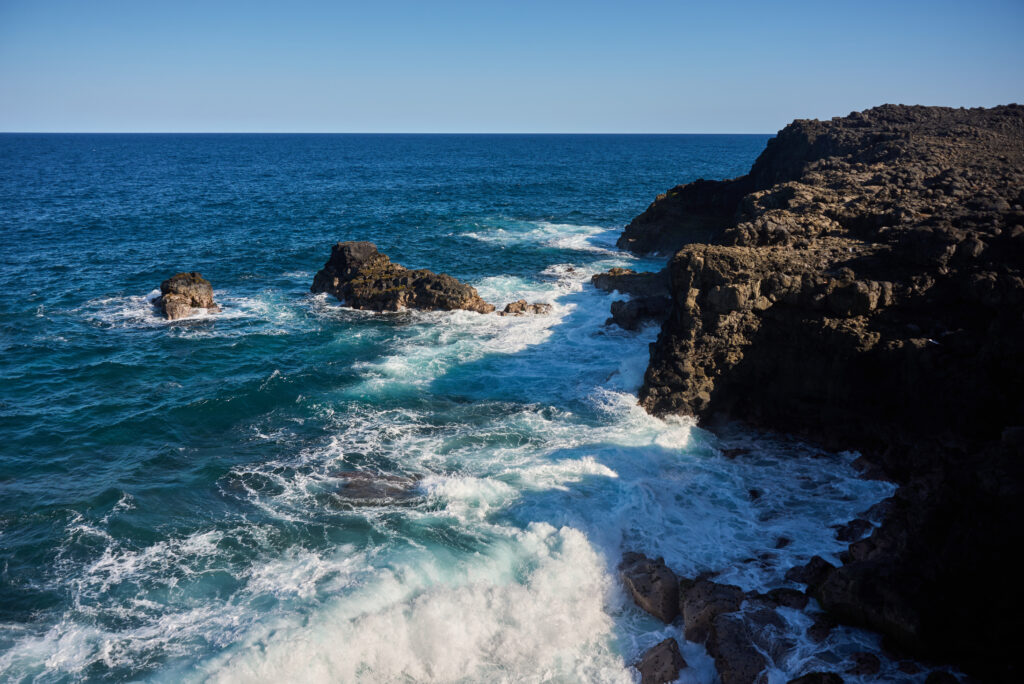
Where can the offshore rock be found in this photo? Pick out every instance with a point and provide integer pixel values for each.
(863, 286)
(363, 278)
(651, 584)
(183, 292)
(661, 663)
(521, 308)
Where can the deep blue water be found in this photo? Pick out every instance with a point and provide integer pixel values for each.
(172, 494)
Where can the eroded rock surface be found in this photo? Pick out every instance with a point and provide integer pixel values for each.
(702, 602)
(661, 663)
(863, 286)
(182, 293)
(363, 278)
(522, 308)
(653, 586)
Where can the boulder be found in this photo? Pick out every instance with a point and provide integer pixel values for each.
(702, 602)
(363, 278)
(811, 574)
(661, 663)
(652, 585)
(182, 293)
(729, 642)
(521, 308)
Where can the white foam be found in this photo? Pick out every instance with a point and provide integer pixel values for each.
(489, 621)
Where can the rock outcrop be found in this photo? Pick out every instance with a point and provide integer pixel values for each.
(649, 296)
(661, 663)
(363, 278)
(863, 286)
(182, 293)
(521, 308)
(653, 586)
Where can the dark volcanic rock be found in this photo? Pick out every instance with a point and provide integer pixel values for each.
(736, 658)
(812, 574)
(631, 314)
(363, 278)
(702, 602)
(651, 584)
(521, 308)
(363, 488)
(661, 664)
(628, 281)
(183, 292)
(863, 286)
(864, 663)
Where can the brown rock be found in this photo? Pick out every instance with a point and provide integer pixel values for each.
(363, 278)
(521, 308)
(661, 663)
(652, 585)
(183, 292)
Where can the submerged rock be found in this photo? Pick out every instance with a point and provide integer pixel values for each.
(182, 293)
(661, 663)
(521, 308)
(363, 278)
(651, 584)
(363, 488)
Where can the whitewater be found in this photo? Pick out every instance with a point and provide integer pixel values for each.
(199, 530)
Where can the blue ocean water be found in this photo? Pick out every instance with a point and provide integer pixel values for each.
(172, 495)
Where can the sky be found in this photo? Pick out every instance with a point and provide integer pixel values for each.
(640, 66)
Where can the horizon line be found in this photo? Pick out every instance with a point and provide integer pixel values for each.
(366, 133)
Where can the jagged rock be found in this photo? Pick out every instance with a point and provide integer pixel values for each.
(736, 658)
(817, 678)
(628, 281)
(363, 278)
(821, 628)
(702, 602)
(862, 286)
(183, 292)
(521, 308)
(652, 585)
(630, 315)
(785, 597)
(811, 574)
(661, 663)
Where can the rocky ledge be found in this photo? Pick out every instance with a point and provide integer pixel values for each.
(363, 278)
(863, 286)
(182, 293)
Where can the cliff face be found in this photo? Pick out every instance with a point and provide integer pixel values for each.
(863, 286)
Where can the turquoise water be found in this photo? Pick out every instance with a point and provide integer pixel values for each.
(172, 495)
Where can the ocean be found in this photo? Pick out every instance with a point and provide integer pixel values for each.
(172, 494)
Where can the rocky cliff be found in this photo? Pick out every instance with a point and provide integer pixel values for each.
(863, 286)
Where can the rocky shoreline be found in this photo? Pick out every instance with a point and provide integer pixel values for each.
(863, 287)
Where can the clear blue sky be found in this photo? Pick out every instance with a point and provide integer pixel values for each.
(522, 66)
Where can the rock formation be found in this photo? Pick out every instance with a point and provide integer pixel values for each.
(183, 292)
(863, 286)
(651, 584)
(661, 663)
(649, 296)
(521, 308)
(363, 278)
